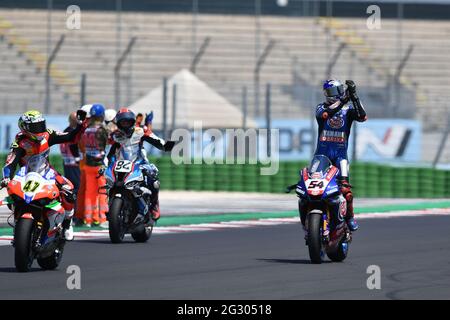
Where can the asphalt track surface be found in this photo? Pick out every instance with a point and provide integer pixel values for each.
(250, 263)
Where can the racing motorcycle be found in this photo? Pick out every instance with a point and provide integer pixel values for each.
(35, 200)
(125, 186)
(326, 207)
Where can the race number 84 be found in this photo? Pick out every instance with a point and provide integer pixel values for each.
(123, 166)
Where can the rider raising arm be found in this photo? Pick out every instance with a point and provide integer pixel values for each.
(128, 134)
(131, 137)
(35, 138)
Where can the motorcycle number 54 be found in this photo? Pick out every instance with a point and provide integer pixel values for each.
(315, 184)
(123, 166)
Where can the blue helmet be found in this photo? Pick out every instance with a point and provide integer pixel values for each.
(333, 90)
(97, 110)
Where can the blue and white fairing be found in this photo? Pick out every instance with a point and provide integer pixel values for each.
(319, 181)
(125, 170)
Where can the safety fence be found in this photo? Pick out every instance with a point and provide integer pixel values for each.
(369, 180)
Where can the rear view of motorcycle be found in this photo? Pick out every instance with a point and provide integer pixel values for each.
(322, 210)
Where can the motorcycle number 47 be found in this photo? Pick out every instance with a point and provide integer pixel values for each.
(31, 186)
(315, 184)
(123, 166)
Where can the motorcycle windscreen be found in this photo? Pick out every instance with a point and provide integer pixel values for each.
(38, 163)
(319, 166)
(130, 153)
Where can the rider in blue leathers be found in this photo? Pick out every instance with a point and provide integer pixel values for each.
(335, 117)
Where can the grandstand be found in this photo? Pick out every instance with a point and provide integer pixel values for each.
(302, 51)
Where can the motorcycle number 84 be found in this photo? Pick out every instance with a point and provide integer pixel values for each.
(123, 166)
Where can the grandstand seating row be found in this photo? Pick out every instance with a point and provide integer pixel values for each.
(164, 46)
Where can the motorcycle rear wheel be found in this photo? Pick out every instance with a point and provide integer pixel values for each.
(23, 235)
(116, 227)
(315, 238)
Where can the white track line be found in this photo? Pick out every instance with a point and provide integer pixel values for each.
(97, 234)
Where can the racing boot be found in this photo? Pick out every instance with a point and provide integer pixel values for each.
(346, 190)
(67, 226)
(155, 212)
(352, 224)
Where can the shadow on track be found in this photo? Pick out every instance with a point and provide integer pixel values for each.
(291, 261)
(13, 270)
(107, 241)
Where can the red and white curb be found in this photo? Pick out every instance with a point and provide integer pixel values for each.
(98, 234)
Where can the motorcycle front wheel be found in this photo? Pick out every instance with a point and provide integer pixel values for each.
(23, 237)
(116, 226)
(315, 238)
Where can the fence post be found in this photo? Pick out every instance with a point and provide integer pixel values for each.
(117, 68)
(442, 143)
(199, 54)
(244, 107)
(83, 90)
(48, 99)
(256, 72)
(174, 105)
(268, 120)
(164, 104)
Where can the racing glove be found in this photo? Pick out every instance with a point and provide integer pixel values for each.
(4, 182)
(351, 88)
(81, 115)
(149, 118)
(168, 146)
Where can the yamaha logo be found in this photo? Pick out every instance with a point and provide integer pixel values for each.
(336, 122)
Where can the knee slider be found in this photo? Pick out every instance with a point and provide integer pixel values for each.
(348, 196)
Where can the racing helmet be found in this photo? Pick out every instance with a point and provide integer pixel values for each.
(333, 90)
(125, 121)
(33, 125)
(110, 114)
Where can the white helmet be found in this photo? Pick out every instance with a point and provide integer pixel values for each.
(110, 114)
(87, 108)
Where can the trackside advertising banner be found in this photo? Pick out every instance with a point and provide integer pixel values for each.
(378, 140)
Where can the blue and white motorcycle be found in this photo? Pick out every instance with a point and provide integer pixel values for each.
(125, 184)
(319, 194)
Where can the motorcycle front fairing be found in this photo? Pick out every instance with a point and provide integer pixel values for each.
(135, 177)
(327, 199)
(35, 195)
(329, 189)
(128, 178)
